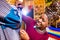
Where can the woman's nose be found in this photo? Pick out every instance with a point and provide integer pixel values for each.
(40, 20)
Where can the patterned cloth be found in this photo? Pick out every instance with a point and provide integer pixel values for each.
(53, 32)
(9, 22)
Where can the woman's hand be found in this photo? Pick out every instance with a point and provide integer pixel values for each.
(24, 35)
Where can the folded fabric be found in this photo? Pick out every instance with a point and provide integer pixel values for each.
(53, 37)
(8, 16)
(53, 28)
(53, 31)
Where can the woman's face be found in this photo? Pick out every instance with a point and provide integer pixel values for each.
(40, 23)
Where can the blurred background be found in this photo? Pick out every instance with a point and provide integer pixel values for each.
(49, 7)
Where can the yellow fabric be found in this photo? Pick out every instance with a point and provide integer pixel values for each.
(54, 32)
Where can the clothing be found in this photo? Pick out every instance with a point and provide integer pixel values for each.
(10, 26)
(53, 32)
(33, 34)
(9, 22)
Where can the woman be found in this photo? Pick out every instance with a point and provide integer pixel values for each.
(36, 30)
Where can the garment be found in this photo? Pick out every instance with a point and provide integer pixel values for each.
(33, 34)
(53, 32)
(9, 22)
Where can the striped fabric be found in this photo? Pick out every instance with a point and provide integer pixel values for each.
(53, 32)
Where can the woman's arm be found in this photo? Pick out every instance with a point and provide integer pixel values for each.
(27, 19)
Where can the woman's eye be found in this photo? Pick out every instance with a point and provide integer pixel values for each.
(43, 20)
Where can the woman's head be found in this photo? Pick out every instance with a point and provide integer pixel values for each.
(41, 24)
(42, 21)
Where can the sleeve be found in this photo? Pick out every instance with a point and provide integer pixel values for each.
(27, 19)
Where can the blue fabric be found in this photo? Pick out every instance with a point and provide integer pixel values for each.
(11, 19)
(31, 13)
(56, 29)
(54, 35)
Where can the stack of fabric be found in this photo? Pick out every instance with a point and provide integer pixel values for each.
(53, 32)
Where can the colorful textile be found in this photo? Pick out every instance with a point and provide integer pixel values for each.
(8, 15)
(53, 28)
(9, 22)
(53, 37)
(54, 32)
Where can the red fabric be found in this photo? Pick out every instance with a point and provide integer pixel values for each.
(53, 36)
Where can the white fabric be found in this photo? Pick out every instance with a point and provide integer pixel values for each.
(51, 38)
(2, 37)
(11, 34)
